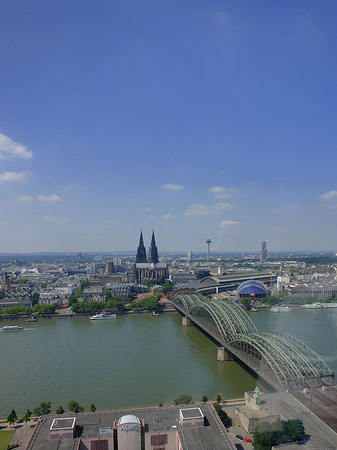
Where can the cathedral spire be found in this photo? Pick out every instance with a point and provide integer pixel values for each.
(153, 251)
(141, 251)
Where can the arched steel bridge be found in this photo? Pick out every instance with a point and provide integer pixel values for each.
(280, 359)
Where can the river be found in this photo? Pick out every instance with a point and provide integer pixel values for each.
(136, 360)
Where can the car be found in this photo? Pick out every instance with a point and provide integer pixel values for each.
(246, 440)
(238, 436)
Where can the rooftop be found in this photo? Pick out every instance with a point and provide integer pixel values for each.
(156, 419)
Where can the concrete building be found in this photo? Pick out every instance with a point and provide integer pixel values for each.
(166, 428)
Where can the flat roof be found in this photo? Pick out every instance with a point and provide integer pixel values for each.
(157, 419)
(191, 413)
(63, 423)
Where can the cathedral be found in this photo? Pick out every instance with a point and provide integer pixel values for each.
(149, 269)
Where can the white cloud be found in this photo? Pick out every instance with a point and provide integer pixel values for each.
(173, 187)
(110, 221)
(2, 222)
(49, 198)
(227, 223)
(222, 191)
(275, 228)
(222, 205)
(25, 198)
(55, 219)
(153, 217)
(199, 210)
(169, 216)
(203, 210)
(331, 195)
(13, 176)
(148, 209)
(11, 149)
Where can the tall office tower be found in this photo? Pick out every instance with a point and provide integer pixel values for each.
(263, 253)
(109, 267)
(153, 251)
(208, 241)
(189, 257)
(141, 251)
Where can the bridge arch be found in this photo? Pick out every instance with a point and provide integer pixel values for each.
(278, 357)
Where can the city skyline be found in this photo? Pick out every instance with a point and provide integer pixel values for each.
(189, 118)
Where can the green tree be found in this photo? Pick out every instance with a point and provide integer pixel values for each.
(293, 430)
(183, 399)
(107, 293)
(35, 298)
(150, 283)
(204, 399)
(16, 310)
(45, 309)
(11, 418)
(161, 404)
(218, 398)
(27, 416)
(168, 286)
(266, 435)
(221, 413)
(60, 410)
(43, 409)
(245, 301)
(75, 407)
(92, 408)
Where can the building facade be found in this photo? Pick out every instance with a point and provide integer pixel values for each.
(149, 269)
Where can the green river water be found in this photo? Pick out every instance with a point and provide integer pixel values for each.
(136, 360)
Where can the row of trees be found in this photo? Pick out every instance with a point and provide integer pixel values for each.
(45, 408)
(20, 310)
(150, 302)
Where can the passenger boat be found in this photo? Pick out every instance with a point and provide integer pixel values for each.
(103, 316)
(275, 309)
(312, 306)
(11, 328)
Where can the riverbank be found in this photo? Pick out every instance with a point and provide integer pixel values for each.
(64, 314)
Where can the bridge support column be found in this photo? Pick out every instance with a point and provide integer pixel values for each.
(224, 355)
(187, 322)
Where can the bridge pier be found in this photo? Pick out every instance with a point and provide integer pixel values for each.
(224, 355)
(186, 322)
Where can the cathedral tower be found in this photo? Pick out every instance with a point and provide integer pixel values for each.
(141, 251)
(153, 251)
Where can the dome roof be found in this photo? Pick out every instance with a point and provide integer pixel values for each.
(128, 419)
(252, 287)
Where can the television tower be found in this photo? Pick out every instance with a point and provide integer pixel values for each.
(208, 241)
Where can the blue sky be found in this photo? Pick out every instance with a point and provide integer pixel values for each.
(189, 117)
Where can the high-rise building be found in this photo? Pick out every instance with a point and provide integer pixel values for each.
(109, 268)
(263, 252)
(189, 257)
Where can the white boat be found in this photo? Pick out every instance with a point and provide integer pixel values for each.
(103, 316)
(329, 305)
(11, 328)
(312, 306)
(275, 309)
